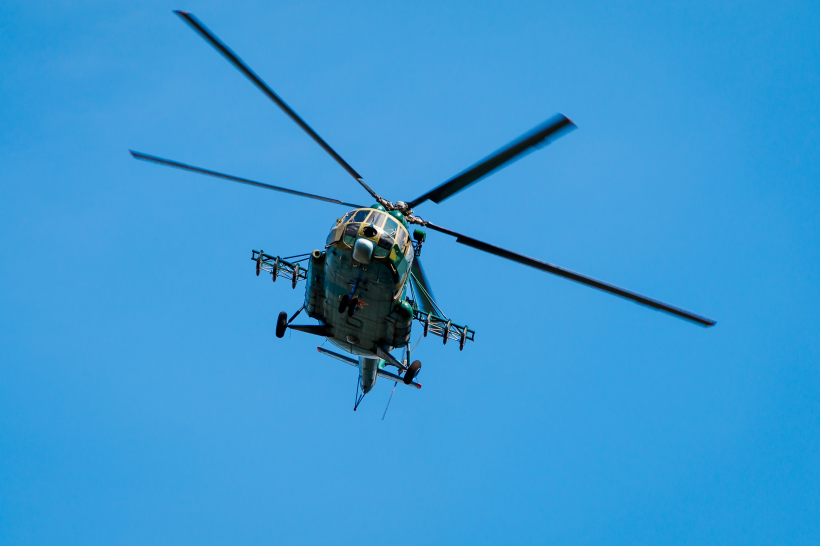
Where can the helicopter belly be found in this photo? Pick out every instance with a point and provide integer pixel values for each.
(374, 321)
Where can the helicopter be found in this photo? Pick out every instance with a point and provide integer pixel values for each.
(366, 285)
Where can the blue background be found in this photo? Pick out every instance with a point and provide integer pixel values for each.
(145, 400)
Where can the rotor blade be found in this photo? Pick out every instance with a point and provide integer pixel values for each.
(203, 31)
(554, 127)
(571, 275)
(424, 291)
(178, 165)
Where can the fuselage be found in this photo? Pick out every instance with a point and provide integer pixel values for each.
(368, 255)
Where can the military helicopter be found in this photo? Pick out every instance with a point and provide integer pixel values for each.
(366, 285)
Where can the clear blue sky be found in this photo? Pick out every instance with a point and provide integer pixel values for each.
(145, 400)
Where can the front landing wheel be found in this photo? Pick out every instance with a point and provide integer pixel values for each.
(411, 372)
(281, 324)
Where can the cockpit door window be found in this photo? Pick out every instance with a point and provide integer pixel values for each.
(401, 238)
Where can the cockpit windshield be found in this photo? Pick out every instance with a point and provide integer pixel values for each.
(378, 219)
(390, 236)
(390, 227)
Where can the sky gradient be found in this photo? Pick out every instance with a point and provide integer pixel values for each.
(144, 398)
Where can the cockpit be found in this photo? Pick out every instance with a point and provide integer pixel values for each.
(386, 231)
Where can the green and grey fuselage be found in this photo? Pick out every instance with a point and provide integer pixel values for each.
(368, 254)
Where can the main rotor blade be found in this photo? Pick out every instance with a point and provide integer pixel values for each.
(571, 275)
(554, 127)
(178, 165)
(203, 31)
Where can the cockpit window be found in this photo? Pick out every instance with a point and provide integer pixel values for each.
(408, 252)
(390, 227)
(401, 239)
(377, 219)
(348, 215)
(361, 215)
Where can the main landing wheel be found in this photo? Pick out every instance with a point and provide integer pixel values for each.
(411, 372)
(354, 304)
(343, 303)
(281, 324)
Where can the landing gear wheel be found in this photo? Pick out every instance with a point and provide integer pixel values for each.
(281, 324)
(354, 304)
(411, 372)
(343, 303)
